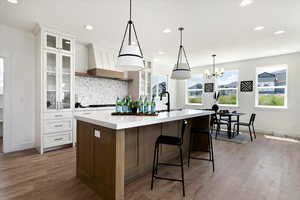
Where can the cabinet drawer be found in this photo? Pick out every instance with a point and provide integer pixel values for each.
(58, 115)
(52, 126)
(57, 139)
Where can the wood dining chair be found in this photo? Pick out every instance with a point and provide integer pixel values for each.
(249, 125)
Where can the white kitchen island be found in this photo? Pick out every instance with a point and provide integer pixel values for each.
(112, 150)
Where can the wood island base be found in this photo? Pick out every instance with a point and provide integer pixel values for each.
(107, 159)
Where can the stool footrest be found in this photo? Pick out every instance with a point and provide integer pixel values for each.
(170, 164)
(206, 159)
(168, 179)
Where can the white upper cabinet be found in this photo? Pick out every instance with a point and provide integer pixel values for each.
(58, 67)
(54, 41)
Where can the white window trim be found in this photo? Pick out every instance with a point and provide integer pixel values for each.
(167, 86)
(266, 87)
(187, 90)
(237, 91)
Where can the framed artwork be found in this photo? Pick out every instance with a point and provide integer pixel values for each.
(208, 87)
(246, 86)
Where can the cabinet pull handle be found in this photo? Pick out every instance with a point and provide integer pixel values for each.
(58, 139)
(58, 115)
(58, 126)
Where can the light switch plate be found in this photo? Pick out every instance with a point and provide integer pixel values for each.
(97, 133)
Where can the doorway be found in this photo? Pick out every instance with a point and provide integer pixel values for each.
(1, 102)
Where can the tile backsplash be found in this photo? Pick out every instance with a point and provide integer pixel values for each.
(99, 90)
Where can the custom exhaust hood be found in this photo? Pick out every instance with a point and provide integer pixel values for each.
(101, 63)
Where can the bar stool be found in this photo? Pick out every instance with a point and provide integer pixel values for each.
(169, 140)
(210, 146)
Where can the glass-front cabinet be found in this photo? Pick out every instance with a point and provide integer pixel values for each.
(51, 61)
(65, 77)
(58, 42)
(59, 74)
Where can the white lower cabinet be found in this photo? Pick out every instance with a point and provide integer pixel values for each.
(52, 126)
(53, 140)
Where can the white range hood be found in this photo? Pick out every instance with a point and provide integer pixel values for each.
(101, 63)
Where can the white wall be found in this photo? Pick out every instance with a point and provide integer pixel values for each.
(277, 121)
(18, 49)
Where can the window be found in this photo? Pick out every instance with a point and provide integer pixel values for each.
(159, 83)
(227, 86)
(271, 87)
(194, 90)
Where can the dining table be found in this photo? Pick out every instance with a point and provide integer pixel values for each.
(228, 116)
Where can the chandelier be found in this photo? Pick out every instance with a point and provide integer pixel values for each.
(215, 71)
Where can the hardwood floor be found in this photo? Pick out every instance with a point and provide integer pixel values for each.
(262, 170)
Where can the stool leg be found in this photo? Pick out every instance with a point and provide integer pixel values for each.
(157, 159)
(153, 167)
(212, 152)
(190, 149)
(182, 173)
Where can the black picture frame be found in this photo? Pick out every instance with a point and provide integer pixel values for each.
(209, 87)
(246, 86)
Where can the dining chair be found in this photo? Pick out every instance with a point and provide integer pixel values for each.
(218, 122)
(249, 125)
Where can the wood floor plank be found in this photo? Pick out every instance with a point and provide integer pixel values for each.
(263, 170)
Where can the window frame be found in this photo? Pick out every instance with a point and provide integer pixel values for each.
(237, 90)
(188, 90)
(285, 106)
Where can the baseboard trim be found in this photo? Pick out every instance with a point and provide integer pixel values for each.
(25, 146)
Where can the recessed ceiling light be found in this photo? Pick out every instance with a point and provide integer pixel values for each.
(89, 27)
(13, 1)
(167, 30)
(245, 3)
(161, 52)
(279, 32)
(258, 28)
(155, 60)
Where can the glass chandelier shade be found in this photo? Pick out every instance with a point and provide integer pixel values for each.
(130, 56)
(182, 68)
(215, 72)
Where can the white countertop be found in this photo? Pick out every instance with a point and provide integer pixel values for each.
(94, 109)
(104, 118)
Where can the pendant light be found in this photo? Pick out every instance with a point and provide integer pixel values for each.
(130, 56)
(182, 69)
(215, 72)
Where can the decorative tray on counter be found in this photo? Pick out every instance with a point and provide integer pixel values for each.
(135, 114)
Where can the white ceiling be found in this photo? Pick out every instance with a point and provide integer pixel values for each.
(211, 26)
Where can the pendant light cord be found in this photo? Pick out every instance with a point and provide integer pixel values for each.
(130, 11)
(130, 22)
(214, 65)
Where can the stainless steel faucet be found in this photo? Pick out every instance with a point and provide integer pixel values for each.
(168, 103)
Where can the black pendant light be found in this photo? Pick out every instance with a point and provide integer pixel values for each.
(130, 56)
(182, 69)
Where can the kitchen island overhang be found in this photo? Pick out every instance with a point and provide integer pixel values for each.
(112, 150)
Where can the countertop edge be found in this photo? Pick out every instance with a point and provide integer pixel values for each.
(128, 125)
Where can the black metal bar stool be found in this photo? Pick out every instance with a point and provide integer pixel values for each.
(169, 140)
(210, 146)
